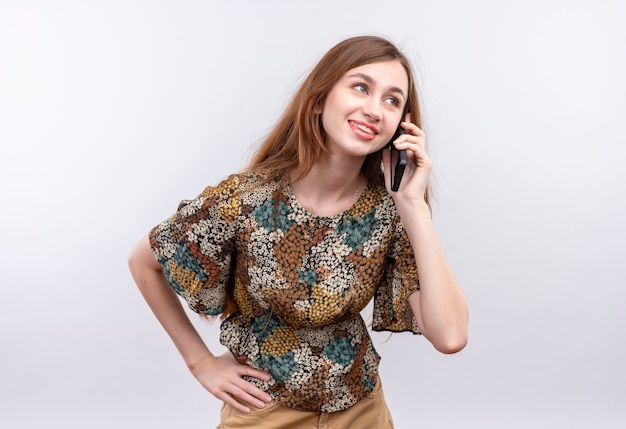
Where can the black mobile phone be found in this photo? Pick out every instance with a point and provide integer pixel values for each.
(398, 160)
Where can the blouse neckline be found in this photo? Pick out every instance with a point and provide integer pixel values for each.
(296, 205)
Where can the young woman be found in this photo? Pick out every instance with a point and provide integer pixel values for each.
(290, 250)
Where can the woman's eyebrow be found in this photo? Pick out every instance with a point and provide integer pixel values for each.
(367, 78)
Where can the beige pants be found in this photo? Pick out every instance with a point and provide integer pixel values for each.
(369, 412)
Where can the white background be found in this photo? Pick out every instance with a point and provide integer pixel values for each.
(113, 111)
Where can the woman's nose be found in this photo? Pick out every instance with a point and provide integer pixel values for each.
(372, 110)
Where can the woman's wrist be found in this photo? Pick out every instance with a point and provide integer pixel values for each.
(197, 362)
(414, 209)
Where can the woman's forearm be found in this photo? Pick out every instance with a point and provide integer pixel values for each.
(165, 304)
(440, 307)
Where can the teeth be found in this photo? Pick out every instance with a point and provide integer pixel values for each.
(362, 128)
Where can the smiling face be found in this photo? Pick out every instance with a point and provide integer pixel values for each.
(363, 108)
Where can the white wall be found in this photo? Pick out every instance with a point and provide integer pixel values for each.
(113, 111)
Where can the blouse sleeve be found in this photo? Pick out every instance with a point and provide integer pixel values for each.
(196, 244)
(392, 311)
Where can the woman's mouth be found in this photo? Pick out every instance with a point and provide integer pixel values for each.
(364, 127)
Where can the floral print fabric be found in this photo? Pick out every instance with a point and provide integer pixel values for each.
(300, 282)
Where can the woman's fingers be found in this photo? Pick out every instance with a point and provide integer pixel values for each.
(240, 399)
(413, 135)
(419, 164)
(414, 142)
(252, 395)
(242, 392)
(223, 376)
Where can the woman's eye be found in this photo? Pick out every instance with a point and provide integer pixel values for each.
(392, 100)
(361, 88)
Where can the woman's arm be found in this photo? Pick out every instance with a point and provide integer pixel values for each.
(439, 307)
(220, 375)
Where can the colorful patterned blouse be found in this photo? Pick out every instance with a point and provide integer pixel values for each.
(300, 282)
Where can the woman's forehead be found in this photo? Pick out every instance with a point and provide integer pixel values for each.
(388, 73)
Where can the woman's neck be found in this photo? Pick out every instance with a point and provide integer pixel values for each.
(330, 187)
